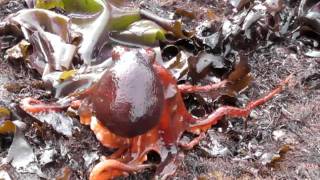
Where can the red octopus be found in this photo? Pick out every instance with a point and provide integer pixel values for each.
(137, 107)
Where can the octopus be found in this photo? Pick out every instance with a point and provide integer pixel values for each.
(137, 107)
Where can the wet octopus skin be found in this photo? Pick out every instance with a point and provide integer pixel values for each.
(128, 99)
(169, 116)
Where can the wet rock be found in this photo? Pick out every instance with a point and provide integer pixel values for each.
(47, 156)
(279, 134)
(3, 174)
(268, 158)
(285, 136)
(59, 122)
(89, 158)
(18, 52)
(214, 148)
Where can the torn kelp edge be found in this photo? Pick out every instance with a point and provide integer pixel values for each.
(93, 32)
(21, 155)
(51, 37)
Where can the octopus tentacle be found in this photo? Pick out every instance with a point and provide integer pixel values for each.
(192, 143)
(212, 119)
(111, 168)
(118, 153)
(85, 112)
(186, 88)
(128, 158)
(32, 105)
(107, 138)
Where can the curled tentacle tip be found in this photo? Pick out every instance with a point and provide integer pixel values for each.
(288, 79)
(110, 168)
